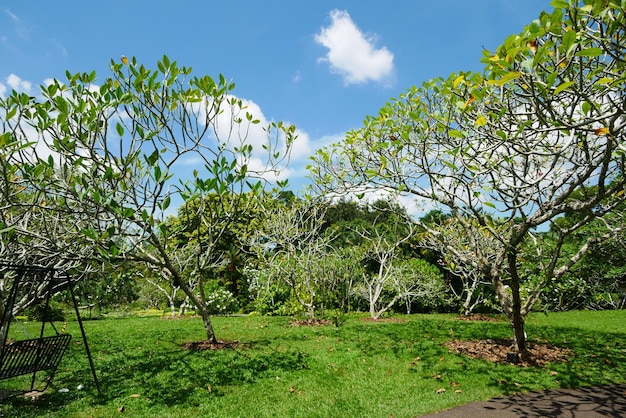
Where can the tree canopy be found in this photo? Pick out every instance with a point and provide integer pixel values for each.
(108, 157)
(503, 150)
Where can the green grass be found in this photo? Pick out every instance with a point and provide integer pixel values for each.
(362, 368)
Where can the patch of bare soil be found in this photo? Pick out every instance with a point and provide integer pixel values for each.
(393, 320)
(310, 322)
(498, 351)
(207, 345)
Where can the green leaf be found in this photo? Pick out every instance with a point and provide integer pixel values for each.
(90, 232)
(9, 115)
(590, 52)
(128, 213)
(563, 86)
(568, 39)
(586, 106)
(454, 133)
(153, 158)
(120, 129)
(458, 80)
(480, 121)
(559, 4)
(166, 203)
(605, 80)
(506, 78)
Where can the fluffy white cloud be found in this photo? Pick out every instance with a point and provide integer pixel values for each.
(351, 53)
(16, 83)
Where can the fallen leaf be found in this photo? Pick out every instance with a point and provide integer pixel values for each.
(437, 376)
(458, 391)
(292, 389)
(121, 409)
(553, 373)
(440, 390)
(135, 395)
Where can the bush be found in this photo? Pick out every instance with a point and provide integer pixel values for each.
(45, 313)
(221, 301)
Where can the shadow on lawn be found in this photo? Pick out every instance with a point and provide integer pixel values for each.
(167, 377)
(600, 357)
(177, 377)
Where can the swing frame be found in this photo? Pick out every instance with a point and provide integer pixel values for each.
(30, 356)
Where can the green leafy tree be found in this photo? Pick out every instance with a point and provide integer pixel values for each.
(107, 150)
(503, 150)
(36, 229)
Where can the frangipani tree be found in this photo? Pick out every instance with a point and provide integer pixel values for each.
(36, 229)
(504, 151)
(291, 239)
(116, 153)
(456, 253)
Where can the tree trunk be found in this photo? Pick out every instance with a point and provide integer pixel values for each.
(516, 317)
(208, 325)
(200, 303)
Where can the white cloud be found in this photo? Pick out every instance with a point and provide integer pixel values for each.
(351, 53)
(16, 83)
(232, 134)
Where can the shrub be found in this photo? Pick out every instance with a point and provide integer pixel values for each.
(45, 313)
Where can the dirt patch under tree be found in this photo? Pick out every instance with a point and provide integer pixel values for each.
(500, 351)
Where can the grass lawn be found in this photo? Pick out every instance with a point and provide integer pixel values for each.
(361, 368)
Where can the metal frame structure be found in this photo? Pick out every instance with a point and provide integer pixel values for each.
(43, 353)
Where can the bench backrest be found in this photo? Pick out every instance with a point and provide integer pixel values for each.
(28, 356)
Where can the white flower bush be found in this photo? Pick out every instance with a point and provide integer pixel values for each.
(221, 301)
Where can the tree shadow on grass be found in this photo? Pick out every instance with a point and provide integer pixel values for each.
(599, 358)
(177, 377)
(167, 377)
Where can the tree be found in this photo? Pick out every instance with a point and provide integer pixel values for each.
(503, 150)
(114, 156)
(299, 248)
(232, 249)
(455, 250)
(382, 279)
(36, 229)
(596, 281)
(419, 284)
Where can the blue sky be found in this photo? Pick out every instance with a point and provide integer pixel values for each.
(321, 65)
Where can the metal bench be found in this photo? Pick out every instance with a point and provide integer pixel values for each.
(23, 357)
